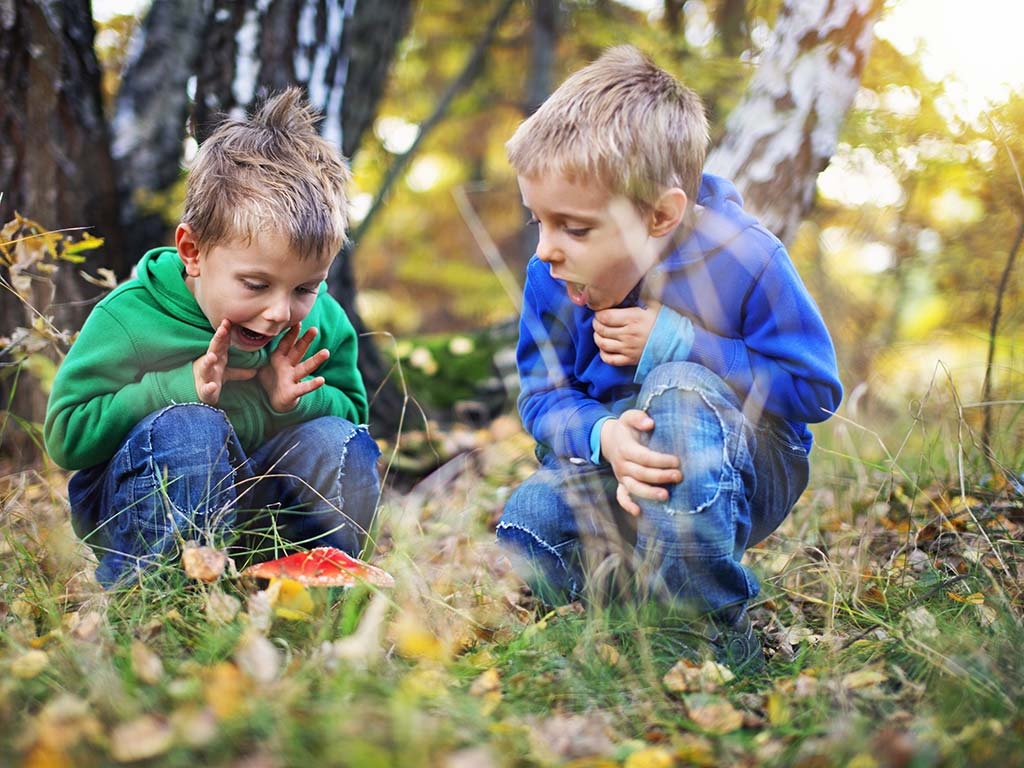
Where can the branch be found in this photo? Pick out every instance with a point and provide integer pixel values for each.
(469, 73)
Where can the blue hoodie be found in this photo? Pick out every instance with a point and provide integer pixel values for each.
(732, 302)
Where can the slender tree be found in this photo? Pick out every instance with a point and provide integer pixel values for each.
(785, 130)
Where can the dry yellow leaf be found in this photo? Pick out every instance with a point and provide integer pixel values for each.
(44, 755)
(30, 664)
(203, 563)
(488, 680)
(687, 676)
(975, 598)
(141, 739)
(715, 715)
(650, 757)
(226, 689)
(863, 678)
(146, 665)
(414, 641)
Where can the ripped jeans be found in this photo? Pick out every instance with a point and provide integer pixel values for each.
(570, 538)
(181, 474)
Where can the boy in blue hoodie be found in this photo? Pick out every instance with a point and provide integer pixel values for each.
(670, 359)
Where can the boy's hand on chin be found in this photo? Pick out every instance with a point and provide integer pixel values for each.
(211, 370)
(642, 473)
(621, 333)
(284, 377)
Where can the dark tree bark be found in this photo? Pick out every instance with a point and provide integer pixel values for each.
(55, 166)
(340, 53)
(150, 114)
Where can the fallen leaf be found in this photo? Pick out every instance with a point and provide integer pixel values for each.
(30, 664)
(226, 689)
(141, 739)
(863, 678)
(364, 644)
(714, 714)
(146, 665)
(222, 608)
(487, 687)
(650, 757)
(257, 657)
(203, 563)
(687, 676)
(975, 598)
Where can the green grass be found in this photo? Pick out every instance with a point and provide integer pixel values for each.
(892, 604)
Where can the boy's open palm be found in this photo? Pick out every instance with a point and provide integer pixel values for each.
(641, 472)
(284, 377)
(621, 333)
(211, 370)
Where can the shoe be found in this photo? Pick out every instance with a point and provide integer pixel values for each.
(736, 645)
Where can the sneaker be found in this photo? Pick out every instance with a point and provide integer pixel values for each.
(737, 646)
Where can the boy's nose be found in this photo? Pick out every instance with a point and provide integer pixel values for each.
(279, 311)
(546, 249)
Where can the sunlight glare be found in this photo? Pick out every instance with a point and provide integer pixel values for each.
(974, 46)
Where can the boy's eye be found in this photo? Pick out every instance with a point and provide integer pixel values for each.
(305, 290)
(577, 231)
(253, 286)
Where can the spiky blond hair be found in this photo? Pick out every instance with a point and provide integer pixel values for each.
(270, 172)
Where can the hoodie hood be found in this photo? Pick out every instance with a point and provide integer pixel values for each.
(162, 273)
(720, 221)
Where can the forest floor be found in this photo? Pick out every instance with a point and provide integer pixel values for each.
(891, 610)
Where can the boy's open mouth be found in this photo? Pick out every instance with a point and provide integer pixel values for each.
(251, 338)
(577, 293)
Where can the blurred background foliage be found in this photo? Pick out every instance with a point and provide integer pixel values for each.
(909, 250)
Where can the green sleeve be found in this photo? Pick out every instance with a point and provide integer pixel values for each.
(102, 390)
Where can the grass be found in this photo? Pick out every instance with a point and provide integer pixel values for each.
(891, 608)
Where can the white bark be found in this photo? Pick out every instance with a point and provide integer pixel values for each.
(783, 133)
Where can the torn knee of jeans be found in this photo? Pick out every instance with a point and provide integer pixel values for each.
(525, 539)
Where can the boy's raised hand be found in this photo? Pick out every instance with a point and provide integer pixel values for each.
(211, 370)
(621, 333)
(284, 377)
(641, 472)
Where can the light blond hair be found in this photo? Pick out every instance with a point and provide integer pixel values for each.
(270, 172)
(621, 121)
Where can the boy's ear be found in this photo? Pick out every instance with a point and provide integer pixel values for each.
(188, 249)
(668, 212)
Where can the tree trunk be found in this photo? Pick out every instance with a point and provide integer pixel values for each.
(253, 48)
(783, 133)
(150, 113)
(55, 168)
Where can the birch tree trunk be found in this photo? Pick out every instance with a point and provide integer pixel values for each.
(785, 130)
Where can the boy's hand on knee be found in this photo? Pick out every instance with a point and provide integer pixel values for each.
(642, 473)
(284, 377)
(621, 334)
(211, 370)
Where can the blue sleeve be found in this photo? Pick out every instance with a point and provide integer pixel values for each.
(553, 404)
(671, 340)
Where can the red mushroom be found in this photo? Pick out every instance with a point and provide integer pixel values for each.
(322, 567)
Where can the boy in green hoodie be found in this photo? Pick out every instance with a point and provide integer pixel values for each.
(218, 389)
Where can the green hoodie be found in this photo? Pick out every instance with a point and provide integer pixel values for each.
(134, 356)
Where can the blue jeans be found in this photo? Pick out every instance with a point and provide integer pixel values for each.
(181, 474)
(570, 537)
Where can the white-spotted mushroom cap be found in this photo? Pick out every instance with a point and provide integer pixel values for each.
(322, 567)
